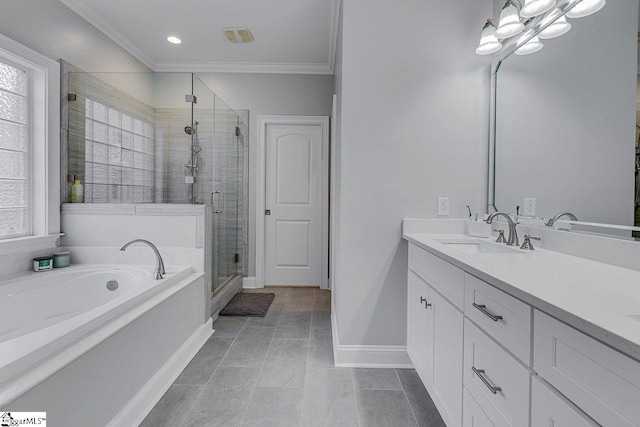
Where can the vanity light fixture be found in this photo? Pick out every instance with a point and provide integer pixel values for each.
(533, 8)
(556, 29)
(489, 43)
(509, 24)
(174, 40)
(586, 8)
(532, 46)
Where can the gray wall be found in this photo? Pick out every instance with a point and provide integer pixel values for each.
(269, 94)
(49, 27)
(566, 116)
(414, 128)
(52, 29)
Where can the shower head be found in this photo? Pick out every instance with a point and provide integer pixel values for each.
(191, 130)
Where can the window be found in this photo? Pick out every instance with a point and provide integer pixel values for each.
(14, 151)
(29, 149)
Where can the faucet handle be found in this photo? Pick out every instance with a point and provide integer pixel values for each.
(500, 238)
(527, 242)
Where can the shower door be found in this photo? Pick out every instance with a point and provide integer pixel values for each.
(225, 196)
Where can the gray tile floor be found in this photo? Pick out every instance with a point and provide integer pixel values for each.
(278, 370)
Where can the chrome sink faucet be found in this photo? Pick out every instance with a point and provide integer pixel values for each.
(159, 270)
(560, 215)
(512, 240)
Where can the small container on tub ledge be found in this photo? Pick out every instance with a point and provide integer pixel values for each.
(61, 259)
(43, 263)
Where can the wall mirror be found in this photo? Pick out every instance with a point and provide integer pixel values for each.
(563, 121)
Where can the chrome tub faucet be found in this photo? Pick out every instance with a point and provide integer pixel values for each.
(159, 269)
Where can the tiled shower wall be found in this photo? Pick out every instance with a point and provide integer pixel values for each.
(126, 151)
(119, 156)
(111, 145)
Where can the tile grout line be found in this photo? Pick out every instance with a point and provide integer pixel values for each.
(211, 377)
(244, 416)
(306, 367)
(407, 397)
(355, 398)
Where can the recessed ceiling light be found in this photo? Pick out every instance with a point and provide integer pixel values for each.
(174, 40)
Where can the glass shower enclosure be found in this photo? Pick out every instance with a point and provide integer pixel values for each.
(162, 138)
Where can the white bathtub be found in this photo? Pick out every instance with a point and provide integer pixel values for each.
(51, 320)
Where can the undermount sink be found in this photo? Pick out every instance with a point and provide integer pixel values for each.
(474, 246)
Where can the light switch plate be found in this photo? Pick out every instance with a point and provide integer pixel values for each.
(443, 206)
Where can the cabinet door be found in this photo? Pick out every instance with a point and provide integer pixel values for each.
(418, 345)
(447, 357)
(473, 414)
(550, 408)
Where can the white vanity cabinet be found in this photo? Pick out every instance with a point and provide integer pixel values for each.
(435, 340)
(598, 379)
(550, 408)
(489, 359)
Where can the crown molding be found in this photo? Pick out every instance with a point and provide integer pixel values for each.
(334, 21)
(79, 7)
(242, 67)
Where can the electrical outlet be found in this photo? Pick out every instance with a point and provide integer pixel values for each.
(530, 206)
(443, 206)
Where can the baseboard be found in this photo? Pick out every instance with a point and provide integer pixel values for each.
(249, 283)
(144, 401)
(366, 356)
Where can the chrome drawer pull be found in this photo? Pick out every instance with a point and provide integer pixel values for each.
(479, 373)
(423, 300)
(483, 309)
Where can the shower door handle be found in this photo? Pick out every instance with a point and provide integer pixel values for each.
(213, 195)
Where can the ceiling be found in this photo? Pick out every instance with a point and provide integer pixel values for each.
(291, 36)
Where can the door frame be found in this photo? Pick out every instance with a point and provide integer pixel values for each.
(263, 122)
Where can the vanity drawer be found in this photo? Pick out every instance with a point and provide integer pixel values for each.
(473, 416)
(487, 365)
(442, 276)
(505, 318)
(550, 408)
(599, 380)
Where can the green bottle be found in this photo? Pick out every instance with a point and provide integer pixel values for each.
(77, 192)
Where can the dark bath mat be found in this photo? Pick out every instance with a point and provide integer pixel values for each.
(248, 304)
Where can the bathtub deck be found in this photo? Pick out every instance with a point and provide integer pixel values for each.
(278, 371)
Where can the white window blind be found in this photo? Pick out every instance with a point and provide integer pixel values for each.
(14, 151)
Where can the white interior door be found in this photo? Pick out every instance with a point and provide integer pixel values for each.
(293, 204)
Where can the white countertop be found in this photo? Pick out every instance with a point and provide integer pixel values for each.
(593, 297)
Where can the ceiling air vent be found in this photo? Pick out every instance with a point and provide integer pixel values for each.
(238, 35)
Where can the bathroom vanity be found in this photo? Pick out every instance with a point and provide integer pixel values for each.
(506, 337)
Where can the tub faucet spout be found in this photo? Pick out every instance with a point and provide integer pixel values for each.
(159, 270)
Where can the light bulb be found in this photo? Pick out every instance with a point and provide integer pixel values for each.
(533, 8)
(489, 43)
(510, 24)
(530, 47)
(174, 40)
(586, 8)
(556, 29)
